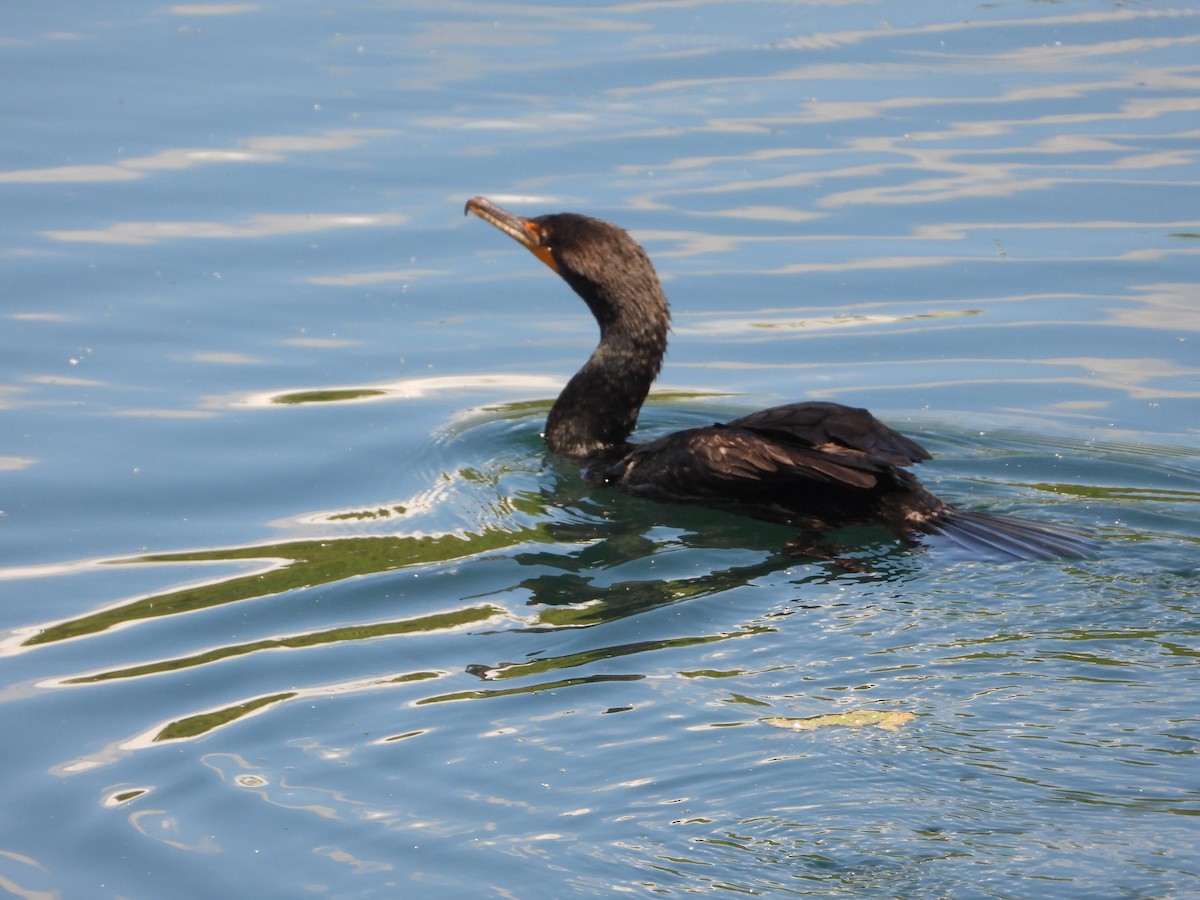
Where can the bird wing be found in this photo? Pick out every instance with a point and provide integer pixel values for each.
(726, 462)
(835, 429)
(728, 453)
(769, 453)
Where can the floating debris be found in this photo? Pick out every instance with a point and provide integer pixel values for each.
(889, 720)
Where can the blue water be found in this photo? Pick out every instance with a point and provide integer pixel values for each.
(292, 600)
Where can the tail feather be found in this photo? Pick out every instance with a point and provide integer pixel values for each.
(1009, 538)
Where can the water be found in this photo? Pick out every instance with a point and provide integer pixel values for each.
(293, 603)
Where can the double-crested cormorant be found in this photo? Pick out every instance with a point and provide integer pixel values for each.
(817, 466)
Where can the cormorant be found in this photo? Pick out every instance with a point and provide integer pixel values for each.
(817, 466)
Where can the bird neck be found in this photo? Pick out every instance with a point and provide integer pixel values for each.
(598, 408)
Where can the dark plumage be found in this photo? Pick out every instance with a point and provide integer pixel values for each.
(816, 466)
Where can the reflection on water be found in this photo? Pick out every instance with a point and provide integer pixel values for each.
(563, 600)
(680, 625)
(578, 561)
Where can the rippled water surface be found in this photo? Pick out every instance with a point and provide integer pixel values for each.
(292, 601)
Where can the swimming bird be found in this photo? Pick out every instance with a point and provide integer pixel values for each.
(817, 466)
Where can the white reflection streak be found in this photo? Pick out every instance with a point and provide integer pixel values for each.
(212, 9)
(386, 277)
(255, 226)
(724, 326)
(945, 231)
(406, 388)
(861, 265)
(1160, 306)
(267, 148)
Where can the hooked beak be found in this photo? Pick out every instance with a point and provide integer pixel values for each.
(526, 232)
